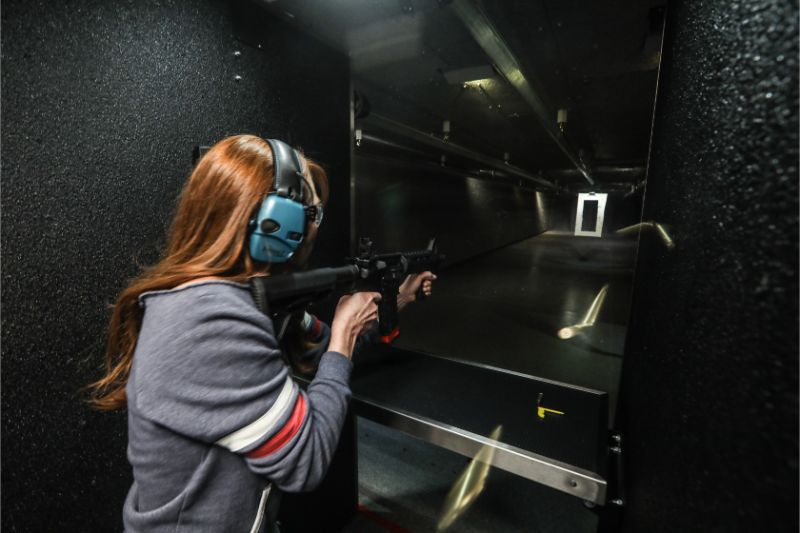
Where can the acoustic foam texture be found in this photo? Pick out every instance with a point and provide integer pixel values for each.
(102, 103)
(710, 375)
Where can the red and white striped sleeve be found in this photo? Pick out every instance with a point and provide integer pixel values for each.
(217, 375)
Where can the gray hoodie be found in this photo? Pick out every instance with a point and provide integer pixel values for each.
(214, 416)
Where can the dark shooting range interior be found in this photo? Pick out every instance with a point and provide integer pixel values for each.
(612, 341)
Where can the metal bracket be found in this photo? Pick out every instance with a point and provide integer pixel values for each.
(616, 493)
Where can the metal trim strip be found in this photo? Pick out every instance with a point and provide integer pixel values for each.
(560, 476)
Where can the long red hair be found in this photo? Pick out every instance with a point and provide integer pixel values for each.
(207, 237)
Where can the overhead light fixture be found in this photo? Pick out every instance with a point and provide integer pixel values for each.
(478, 83)
(469, 74)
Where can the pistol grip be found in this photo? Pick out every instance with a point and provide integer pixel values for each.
(387, 315)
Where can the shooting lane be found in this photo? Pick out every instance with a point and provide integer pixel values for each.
(518, 355)
(562, 378)
(455, 137)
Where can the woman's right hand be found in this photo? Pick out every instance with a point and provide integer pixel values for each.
(354, 314)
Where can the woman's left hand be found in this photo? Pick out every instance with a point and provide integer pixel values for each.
(409, 288)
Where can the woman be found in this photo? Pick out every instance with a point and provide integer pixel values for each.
(214, 417)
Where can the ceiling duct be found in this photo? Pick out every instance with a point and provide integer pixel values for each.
(448, 147)
(493, 45)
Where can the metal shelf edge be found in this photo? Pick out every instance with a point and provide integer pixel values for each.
(560, 476)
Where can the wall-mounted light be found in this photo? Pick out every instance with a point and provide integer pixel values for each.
(561, 119)
(540, 207)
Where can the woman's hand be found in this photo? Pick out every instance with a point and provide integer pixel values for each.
(354, 314)
(408, 290)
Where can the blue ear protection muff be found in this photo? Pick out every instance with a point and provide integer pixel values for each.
(279, 223)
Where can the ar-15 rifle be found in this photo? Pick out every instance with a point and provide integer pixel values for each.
(280, 295)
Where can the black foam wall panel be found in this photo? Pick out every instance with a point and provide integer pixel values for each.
(710, 378)
(102, 104)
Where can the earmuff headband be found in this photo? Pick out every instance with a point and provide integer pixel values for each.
(288, 181)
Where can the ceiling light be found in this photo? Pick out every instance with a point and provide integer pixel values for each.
(478, 83)
(462, 75)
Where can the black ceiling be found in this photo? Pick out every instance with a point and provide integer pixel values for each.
(598, 60)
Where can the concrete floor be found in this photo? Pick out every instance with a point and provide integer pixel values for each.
(504, 309)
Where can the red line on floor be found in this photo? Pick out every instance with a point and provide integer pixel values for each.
(380, 520)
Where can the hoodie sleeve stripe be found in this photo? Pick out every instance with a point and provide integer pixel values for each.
(286, 433)
(266, 423)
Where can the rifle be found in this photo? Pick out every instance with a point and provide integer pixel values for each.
(281, 295)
